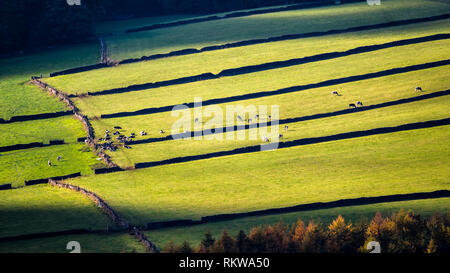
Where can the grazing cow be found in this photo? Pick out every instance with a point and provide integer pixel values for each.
(358, 103)
(286, 128)
(59, 158)
(351, 105)
(265, 139)
(143, 133)
(280, 136)
(335, 93)
(418, 88)
(49, 163)
(161, 131)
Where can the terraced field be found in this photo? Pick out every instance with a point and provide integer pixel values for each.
(394, 146)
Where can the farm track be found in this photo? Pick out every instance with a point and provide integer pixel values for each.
(268, 66)
(190, 51)
(286, 90)
(297, 142)
(291, 120)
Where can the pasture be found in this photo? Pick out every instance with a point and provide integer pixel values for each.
(216, 61)
(267, 25)
(42, 208)
(402, 162)
(90, 243)
(195, 234)
(383, 78)
(30, 164)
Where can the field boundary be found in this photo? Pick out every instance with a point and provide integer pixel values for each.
(285, 90)
(16, 147)
(236, 14)
(112, 214)
(189, 51)
(41, 235)
(36, 117)
(290, 120)
(303, 207)
(295, 143)
(231, 72)
(4, 187)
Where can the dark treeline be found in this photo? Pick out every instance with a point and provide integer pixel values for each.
(28, 24)
(403, 232)
(167, 7)
(38, 23)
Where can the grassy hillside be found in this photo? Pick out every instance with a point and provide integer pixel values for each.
(29, 164)
(45, 209)
(90, 243)
(432, 109)
(214, 62)
(44, 130)
(385, 164)
(268, 25)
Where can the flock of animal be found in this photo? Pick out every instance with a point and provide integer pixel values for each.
(360, 104)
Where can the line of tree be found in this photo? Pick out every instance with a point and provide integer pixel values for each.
(403, 232)
(28, 24)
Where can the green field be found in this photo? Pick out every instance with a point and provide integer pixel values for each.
(268, 25)
(29, 164)
(45, 209)
(402, 162)
(431, 109)
(214, 62)
(90, 243)
(270, 80)
(18, 97)
(68, 129)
